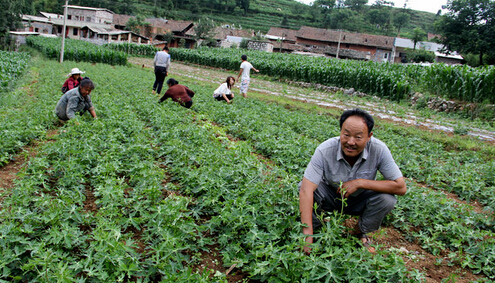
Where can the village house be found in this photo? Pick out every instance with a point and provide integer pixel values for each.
(161, 31)
(83, 23)
(226, 37)
(402, 45)
(283, 39)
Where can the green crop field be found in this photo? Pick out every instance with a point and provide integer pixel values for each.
(140, 194)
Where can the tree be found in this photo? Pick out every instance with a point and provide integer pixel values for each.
(469, 27)
(379, 17)
(204, 30)
(285, 22)
(244, 5)
(10, 18)
(401, 19)
(136, 24)
(418, 35)
(356, 5)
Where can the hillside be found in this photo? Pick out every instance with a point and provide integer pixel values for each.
(259, 15)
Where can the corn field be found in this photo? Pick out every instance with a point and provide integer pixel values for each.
(392, 81)
(133, 49)
(77, 50)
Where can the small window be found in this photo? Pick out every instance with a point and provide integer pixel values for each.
(88, 19)
(74, 31)
(82, 18)
(69, 17)
(385, 56)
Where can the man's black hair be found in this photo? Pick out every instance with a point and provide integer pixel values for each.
(368, 119)
(165, 48)
(86, 82)
(244, 57)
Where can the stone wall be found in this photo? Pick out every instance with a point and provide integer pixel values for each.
(260, 46)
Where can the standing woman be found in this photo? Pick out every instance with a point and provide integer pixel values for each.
(161, 64)
(73, 80)
(224, 92)
(179, 93)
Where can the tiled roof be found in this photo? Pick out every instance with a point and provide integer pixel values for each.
(174, 26)
(288, 34)
(121, 20)
(325, 35)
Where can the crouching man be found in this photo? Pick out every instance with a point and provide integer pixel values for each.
(352, 159)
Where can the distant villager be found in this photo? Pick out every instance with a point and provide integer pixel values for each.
(161, 62)
(224, 91)
(245, 72)
(179, 93)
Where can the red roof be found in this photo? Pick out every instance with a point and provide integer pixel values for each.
(325, 35)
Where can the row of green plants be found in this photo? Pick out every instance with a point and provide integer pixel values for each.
(245, 204)
(93, 205)
(12, 66)
(133, 48)
(392, 81)
(76, 50)
(26, 113)
(288, 138)
(384, 80)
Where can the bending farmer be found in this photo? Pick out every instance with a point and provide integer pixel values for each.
(76, 100)
(352, 159)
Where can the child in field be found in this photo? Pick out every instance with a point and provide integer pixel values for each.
(224, 92)
(73, 80)
(245, 70)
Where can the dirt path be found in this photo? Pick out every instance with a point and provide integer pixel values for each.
(379, 107)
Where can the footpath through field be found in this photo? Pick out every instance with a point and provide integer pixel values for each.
(378, 107)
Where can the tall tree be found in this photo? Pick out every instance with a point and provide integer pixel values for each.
(204, 30)
(400, 20)
(379, 17)
(469, 27)
(355, 4)
(418, 35)
(244, 5)
(10, 18)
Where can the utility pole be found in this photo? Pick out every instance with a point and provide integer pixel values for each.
(63, 32)
(338, 45)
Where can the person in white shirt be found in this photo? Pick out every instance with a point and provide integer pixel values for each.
(224, 91)
(161, 64)
(245, 71)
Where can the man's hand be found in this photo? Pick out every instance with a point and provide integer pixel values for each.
(307, 246)
(350, 187)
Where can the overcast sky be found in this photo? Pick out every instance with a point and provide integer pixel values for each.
(431, 6)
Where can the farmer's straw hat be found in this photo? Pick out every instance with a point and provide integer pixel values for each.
(75, 71)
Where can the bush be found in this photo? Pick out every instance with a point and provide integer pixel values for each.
(420, 55)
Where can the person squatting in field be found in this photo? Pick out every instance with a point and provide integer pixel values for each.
(76, 100)
(161, 62)
(224, 91)
(352, 159)
(73, 80)
(179, 93)
(245, 70)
